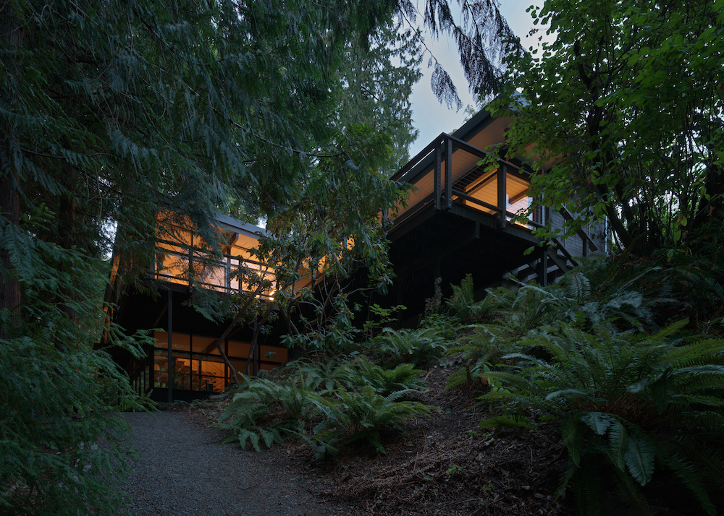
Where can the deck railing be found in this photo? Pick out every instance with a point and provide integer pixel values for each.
(191, 266)
(442, 171)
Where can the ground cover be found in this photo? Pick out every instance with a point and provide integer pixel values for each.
(606, 387)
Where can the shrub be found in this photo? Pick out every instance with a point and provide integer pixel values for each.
(626, 403)
(479, 350)
(362, 372)
(462, 303)
(351, 416)
(414, 346)
(261, 397)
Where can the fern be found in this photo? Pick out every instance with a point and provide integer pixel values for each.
(619, 399)
(361, 415)
(414, 346)
(362, 372)
(261, 397)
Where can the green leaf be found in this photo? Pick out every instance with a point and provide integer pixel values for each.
(639, 456)
(598, 421)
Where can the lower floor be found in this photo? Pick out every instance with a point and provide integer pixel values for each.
(190, 364)
(196, 364)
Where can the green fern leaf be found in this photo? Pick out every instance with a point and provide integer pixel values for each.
(639, 457)
(598, 421)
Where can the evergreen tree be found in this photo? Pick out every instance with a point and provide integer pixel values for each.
(109, 110)
(377, 81)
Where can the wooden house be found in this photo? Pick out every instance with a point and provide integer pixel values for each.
(185, 362)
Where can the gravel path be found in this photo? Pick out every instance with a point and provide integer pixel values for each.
(182, 469)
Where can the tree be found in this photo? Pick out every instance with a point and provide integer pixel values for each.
(622, 116)
(484, 40)
(377, 80)
(109, 110)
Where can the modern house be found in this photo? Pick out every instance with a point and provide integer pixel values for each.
(458, 219)
(183, 263)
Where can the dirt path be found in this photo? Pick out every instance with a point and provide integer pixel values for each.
(182, 469)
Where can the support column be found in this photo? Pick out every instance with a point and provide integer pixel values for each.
(255, 356)
(448, 173)
(436, 178)
(543, 269)
(502, 194)
(170, 347)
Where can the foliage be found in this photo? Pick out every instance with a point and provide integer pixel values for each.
(479, 350)
(414, 346)
(314, 404)
(462, 303)
(327, 235)
(621, 103)
(355, 415)
(58, 394)
(483, 37)
(260, 397)
(622, 401)
(377, 77)
(362, 372)
(109, 112)
(384, 318)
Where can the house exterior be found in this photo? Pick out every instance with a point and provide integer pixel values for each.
(189, 365)
(457, 220)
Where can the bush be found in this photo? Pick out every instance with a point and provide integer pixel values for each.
(414, 346)
(626, 404)
(261, 397)
(362, 372)
(351, 416)
(266, 410)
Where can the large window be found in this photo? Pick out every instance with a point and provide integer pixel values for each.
(197, 364)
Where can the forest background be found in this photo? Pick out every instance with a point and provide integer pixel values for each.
(296, 112)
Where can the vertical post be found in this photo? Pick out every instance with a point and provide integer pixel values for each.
(448, 173)
(437, 177)
(255, 356)
(191, 362)
(227, 279)
(502, 194)
(170, 347)
(191, 265)
(543, 268)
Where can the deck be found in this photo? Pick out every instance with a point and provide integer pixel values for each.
(461, 217)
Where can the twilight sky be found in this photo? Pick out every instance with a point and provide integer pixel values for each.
(431, 117)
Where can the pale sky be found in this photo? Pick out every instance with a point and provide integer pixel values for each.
(431, 117)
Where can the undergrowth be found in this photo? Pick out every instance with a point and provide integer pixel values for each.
(607, 354)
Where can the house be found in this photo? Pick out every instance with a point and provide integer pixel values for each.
(458, 219)
(184, 262)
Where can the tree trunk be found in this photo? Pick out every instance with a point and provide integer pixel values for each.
(10, 31)
(9, 288)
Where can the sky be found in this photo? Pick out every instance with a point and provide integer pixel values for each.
(429, 116)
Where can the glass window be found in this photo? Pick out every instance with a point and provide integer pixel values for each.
(160, 369)
(211, 374)
(180, 341)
